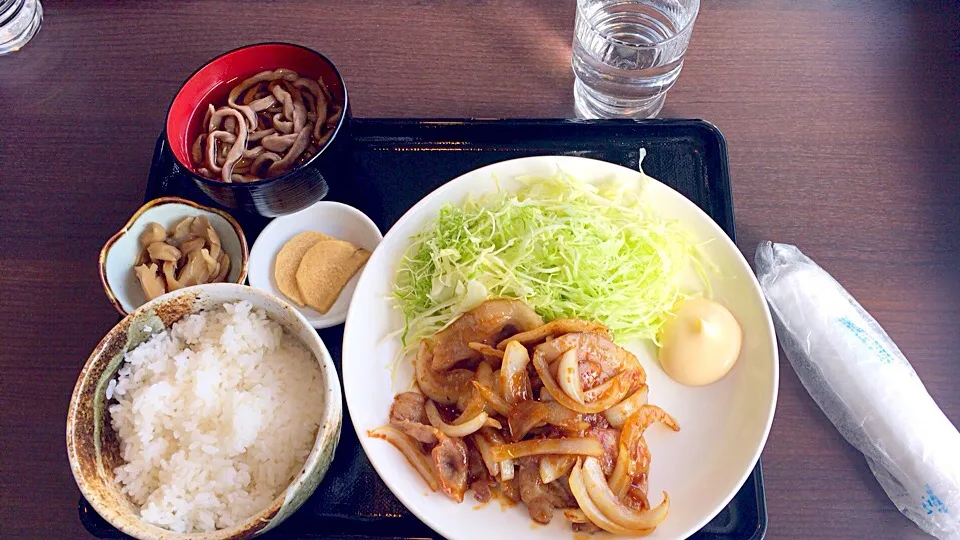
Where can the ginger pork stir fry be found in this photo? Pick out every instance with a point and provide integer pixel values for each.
(272, 122)
(551, 415)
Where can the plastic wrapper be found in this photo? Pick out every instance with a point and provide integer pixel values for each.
(866, 387)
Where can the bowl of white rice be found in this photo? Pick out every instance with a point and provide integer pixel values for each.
(210, 412)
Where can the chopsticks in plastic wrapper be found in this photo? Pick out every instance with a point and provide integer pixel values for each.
(866, 387)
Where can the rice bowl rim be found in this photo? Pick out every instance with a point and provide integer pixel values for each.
(166, 307)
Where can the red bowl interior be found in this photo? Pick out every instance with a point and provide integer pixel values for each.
(213, 82)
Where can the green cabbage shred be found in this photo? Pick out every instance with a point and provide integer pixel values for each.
(567, 247)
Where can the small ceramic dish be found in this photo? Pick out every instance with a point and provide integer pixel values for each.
(119, 253)
(93, 448)
(332, 218)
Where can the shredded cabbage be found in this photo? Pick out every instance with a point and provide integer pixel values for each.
(567, 247)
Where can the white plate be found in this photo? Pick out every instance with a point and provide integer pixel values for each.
(331, 218)
(723, 426)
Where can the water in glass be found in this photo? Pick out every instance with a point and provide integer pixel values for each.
(627, 54)
(19, 22)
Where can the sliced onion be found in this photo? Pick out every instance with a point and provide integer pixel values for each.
(489, 353)
(484, 375)
(568, 375)
(613, 396)
(496, 402)
(506, 465)
(410, 449)
(460, 430)
(545, 396)
(580, 446)
(619, 413)
(483, 446)
(630, 461)
(513, 373)
(632, 434)
(525, 416)
(475, 404)
(507, 470)
(612, 508)
(601, 389)
(558, 327)
(634, 456)
(558, 415)
(553, 467)
(442, 387)
(592, 511)
(575, 516)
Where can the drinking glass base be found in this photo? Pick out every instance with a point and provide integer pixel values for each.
(20, 22)
(590, 104)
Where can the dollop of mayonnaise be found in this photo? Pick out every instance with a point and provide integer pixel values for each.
(701, 343)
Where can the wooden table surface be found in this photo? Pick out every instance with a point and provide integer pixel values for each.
(844, 138)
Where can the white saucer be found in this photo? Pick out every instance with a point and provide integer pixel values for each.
(328, 217)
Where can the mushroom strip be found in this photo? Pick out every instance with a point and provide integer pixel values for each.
(236, 151)
(311, 86)
(196, 151)
(263, 158)
(283, 126)
(248, 111)
(284, 98)
(299, 145)
(260, 134)
(279, 143)
(206, 118)
(263, 103)
(212, 139)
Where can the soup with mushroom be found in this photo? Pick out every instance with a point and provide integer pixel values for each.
(271, 123)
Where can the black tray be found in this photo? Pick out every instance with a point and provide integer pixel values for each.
(397, 162)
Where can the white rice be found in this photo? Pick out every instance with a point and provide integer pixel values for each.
(215, 417)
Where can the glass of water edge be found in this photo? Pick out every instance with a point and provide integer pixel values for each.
(627, 54)
(19, 22)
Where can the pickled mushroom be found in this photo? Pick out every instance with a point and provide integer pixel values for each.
(195, 271)
(162, 251)
(191, 245)
(224, 268)
(181, 232)
(150, 281)
(169, 275)
(212, 264)
(153, 233)
(189, 254)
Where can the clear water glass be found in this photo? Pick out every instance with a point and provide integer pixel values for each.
(627, 54)
(19, 22)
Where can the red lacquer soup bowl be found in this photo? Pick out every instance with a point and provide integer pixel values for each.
(285, 193)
